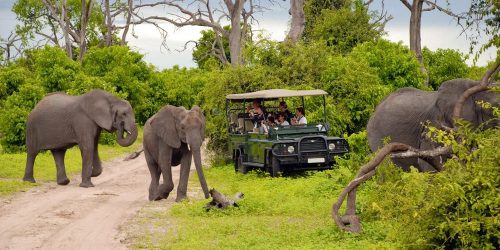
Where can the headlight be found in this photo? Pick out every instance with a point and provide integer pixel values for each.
(331, 146)
(291, 149)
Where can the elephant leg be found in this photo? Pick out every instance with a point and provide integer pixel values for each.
(87, 157)
(58, 155)
(184, 177)
(30, 162)
(96, 162)
(165, 162)
(155, 172)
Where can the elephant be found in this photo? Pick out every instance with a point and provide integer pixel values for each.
(60, 121)
(402, 116)
(173, 136)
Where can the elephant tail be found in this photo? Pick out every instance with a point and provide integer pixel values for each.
(134, 155)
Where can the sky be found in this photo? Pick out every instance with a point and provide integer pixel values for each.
(437, 31)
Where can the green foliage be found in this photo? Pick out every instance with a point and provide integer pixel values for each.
(54, 69)
(344, 28)
(14, 113)
(313, 9)
(396, 65)
(443, 65)
(355, 89)
(176, 86)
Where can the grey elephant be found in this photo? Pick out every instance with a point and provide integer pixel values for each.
(401, 117)
(173, 136)
(60, 121)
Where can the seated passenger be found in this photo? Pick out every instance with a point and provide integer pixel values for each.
(299, 118)
(268, 124)
(282, 119)
(284, 110)
(257, 114)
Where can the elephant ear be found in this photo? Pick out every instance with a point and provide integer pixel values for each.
(202, 118)
(97, 107)
(164, 125)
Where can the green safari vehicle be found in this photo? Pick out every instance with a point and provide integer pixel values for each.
(281, 149)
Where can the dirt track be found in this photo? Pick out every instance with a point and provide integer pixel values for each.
(70, 217)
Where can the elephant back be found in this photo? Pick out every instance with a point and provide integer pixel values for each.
(399, 117)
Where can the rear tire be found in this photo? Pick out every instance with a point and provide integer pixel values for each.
(239, 167)
(275, 167)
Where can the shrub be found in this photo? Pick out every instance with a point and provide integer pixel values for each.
(443, 65)
(14, 114)
(355, 89)
(395, 64)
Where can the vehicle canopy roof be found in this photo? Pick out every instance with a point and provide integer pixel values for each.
(275, 93)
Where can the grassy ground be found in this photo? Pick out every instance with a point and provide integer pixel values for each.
(12, 165)
(276, 213)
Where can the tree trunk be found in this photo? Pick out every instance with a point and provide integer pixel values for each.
(235, 40)
(109, 24)
(298, 20)
(67, 41)
(86, 12)
(415, 40)
(127, 25)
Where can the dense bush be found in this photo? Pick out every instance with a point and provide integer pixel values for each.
(443, 65)
(13, 114)
(456, 208)
(396, 65)
(355, 89)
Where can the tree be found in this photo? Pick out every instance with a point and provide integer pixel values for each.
(344, 28)
(298, 20)
(207, 50)
(204, 13)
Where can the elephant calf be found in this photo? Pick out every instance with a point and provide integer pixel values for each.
(60, 121)
(171, 137)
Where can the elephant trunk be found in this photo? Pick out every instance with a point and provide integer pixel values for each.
(199, 170)
(131, 137)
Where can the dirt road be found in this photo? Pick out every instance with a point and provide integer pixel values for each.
(70, 217)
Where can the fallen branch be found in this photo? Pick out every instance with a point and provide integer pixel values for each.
(134, 155)
(219, 200)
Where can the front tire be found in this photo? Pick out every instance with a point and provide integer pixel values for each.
(239, 167)
(275, 167)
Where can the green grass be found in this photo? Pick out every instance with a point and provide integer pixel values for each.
(276, 213)
(12, 165)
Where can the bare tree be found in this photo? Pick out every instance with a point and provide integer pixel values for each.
(84, 21)
(239, 13)
(298, 22)
(416, 9)
(10, 47)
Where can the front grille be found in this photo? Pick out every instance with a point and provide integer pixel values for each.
(312, 144)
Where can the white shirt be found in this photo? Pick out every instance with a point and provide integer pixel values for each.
(302, 120)
(284, 123)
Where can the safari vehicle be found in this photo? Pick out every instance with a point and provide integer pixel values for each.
(282, 148)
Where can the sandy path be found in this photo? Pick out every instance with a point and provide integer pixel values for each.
(70, 217)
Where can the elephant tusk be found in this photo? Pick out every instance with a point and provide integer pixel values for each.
(189, 148)
(128, 132)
